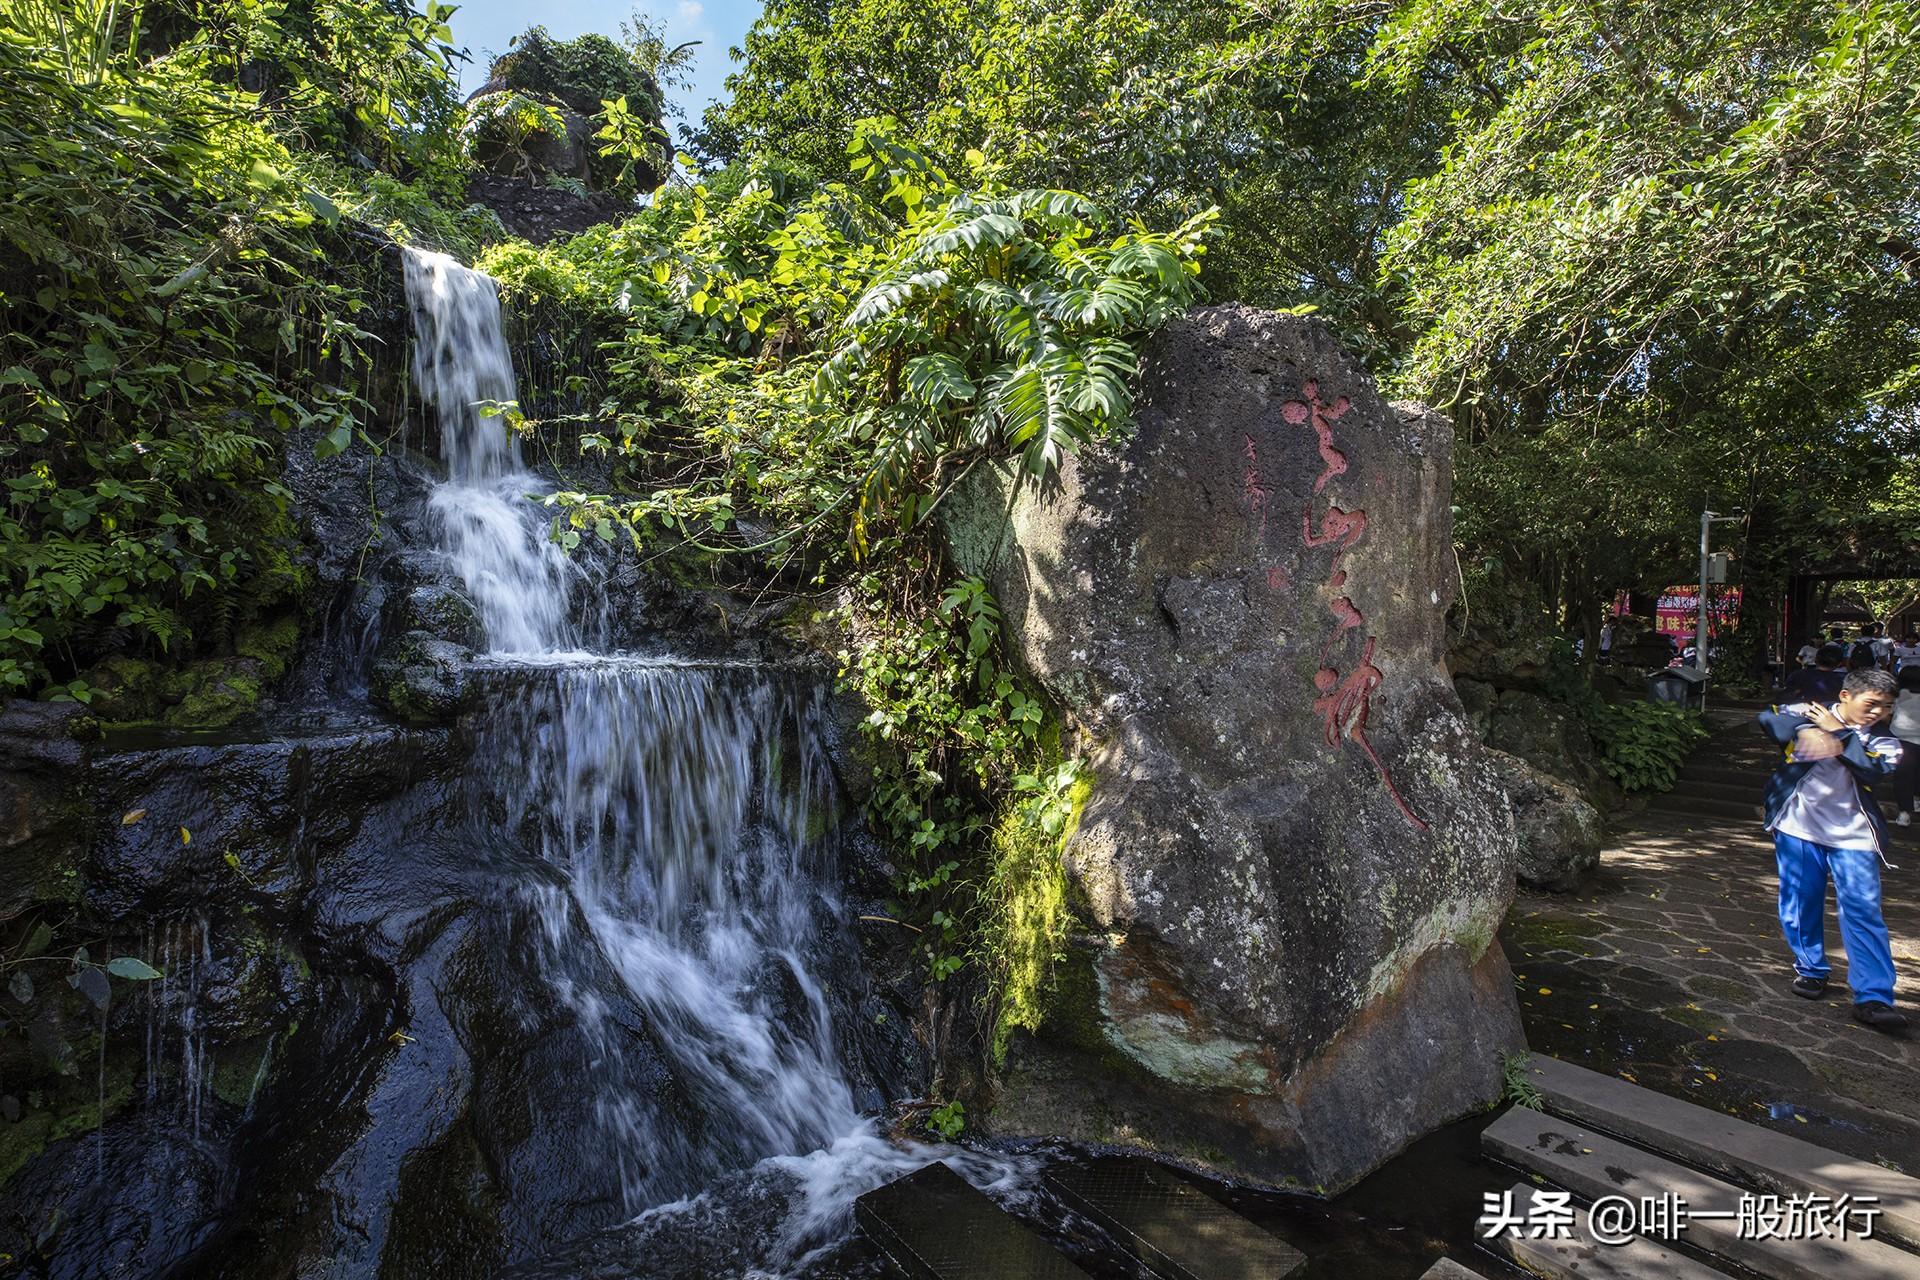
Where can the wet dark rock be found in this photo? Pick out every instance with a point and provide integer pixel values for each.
(351, 1017)
(539, 213)
(728, 1230)
(44, 749)
(422, 678)
(122, 1201)
(347, 506)
(255, 814)
(1559, 833)
(1296, 851)
(438, 609)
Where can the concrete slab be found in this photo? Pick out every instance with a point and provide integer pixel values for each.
(1580, 1258)
(1179, 1231)
(1591, 1165)
(934, 1226)
(1448, 1269)
(1719, 1142)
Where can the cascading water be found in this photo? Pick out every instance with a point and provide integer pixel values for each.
(521, 581)
(685, 805)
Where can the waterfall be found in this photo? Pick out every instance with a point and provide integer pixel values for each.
(522, 583)
(684, 805)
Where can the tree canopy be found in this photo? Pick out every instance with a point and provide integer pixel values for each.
(1622, 243)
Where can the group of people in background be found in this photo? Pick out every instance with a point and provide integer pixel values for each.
(1822, 673)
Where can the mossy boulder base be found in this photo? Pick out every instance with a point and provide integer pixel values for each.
(1296, 850)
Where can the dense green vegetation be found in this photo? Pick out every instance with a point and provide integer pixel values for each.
(1649, 256)
(1642, 745)
(540, 81)
(165, 319)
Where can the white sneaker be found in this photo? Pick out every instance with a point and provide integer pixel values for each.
(1903, 819)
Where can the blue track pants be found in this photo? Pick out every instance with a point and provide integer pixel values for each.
(1805, 868)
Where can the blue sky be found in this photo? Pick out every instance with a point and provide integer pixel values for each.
(485, 27)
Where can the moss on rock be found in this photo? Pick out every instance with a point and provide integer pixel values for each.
(271, 644)
(212, 693)
(1031, 916)
(125, 688)
(63, 1109)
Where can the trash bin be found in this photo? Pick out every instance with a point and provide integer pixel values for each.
(1680, 686)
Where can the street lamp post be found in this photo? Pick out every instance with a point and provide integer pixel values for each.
(1707, 520)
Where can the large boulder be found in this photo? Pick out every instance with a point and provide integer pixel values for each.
(1548, 735)
(543, 213)
(422, 678)
(508, 134)
(1559, 832)
(1297, 851)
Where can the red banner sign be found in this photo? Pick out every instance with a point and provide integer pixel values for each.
(1678, 612)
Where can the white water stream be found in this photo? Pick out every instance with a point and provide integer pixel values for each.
(521, 581)
(685, 803)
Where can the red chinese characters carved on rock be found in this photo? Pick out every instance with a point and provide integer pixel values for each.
(1323, 416)
(1343, 703)
(1252, 490)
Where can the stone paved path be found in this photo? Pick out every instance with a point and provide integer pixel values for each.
(1670, 970)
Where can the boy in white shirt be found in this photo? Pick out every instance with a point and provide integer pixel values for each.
(1827, 825)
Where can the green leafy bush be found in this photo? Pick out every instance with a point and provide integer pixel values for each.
(503, 125)
(948, 1120)
(833, 358)
(344, 78)
(153, 297)
(596, 78)
(950, 730)
(1642, 744)
(165, 313)
(579, 74)
(411, 213)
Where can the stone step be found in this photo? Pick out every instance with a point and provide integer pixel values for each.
(1731, 775)
(1448, 1269)
(1591, 1165)
(1747, 790)
(1741, 773)
(1580, 1257)
(1177, 1230)
(1690, 801)
(1723, 1144)
(1705, 806)
(934, 1226)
